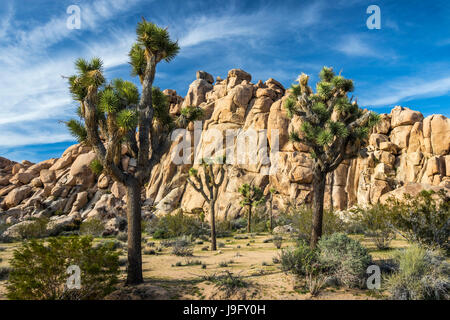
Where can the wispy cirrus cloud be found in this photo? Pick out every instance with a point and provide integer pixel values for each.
(406, 89)
(354, 45)
(230, 23)
(34, 95)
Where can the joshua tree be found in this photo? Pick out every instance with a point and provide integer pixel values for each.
(110, 113)
(253, 196)
(272, 191)
(333, 127)
(205, 184)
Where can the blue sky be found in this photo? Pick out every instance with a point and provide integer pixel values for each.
(405, 63)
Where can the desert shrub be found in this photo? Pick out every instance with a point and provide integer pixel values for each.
(4, 273)
(36, 229)
(278, 241)
(229, 282)
(92, 227)
(39, 269)
(190, 262)
(123, 261)
(303, 262)
(122, 236)
(345, 259)
(221, 245)
(300, 261)
(376, 221)
(110, 243)
(3, 227)
(182, 251)
(148, 251)
(176, 225)
(424, 219)
(223, 229)
(300, 217)
(238, 224)
(421, 274)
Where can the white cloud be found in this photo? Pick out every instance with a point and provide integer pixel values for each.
(409, 89)
(199, 29)
(354, 45)
(32, 89)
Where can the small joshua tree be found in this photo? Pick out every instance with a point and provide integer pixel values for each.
(204, 182)
(333, 127)
(253, 196)
(111, 113)
(272, 191)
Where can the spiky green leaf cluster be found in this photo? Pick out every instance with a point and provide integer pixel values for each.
(127, 119)
(138, 61)
(77, 130)
(109, 101)
(96, 167)
(327, 114)
(161, 106)
(193, 172)
(252, 195)
(156, 40)
(192, 113)
(326, 74)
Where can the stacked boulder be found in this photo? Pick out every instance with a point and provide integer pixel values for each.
(406, 153)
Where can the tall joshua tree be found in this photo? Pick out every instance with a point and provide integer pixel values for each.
(204, 182)
(253, 196)
(333, 127)
(110, 114)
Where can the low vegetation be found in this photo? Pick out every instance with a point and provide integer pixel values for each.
(421, 275)
(46, 278)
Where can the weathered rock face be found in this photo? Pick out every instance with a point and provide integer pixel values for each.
(406, 152)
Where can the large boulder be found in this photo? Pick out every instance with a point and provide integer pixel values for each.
(412, 189)
(401, 116)
(16, 196)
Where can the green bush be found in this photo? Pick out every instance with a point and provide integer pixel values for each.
(4, 273)
(277, 241)
(39, 269)
(424, 219)
(300, 260)
(300, 217)
(122, 236)
(176, 225)
(421, 274)
(92, 227)
(346, 259)
(376, 221)
(36, 229)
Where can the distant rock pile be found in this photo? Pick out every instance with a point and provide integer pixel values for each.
(406, 153)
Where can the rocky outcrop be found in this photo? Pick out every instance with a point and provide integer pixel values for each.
(406, 153)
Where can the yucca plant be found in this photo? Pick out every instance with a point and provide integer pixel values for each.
(252, 197)
(205, 182)
(333, 127)
(112, 112)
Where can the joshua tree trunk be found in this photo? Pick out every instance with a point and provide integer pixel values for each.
(271, 215)
(134, 275)
(319, 191)
(213, 224)
(249, 219)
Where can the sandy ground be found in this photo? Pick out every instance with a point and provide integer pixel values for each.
(250, 258)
